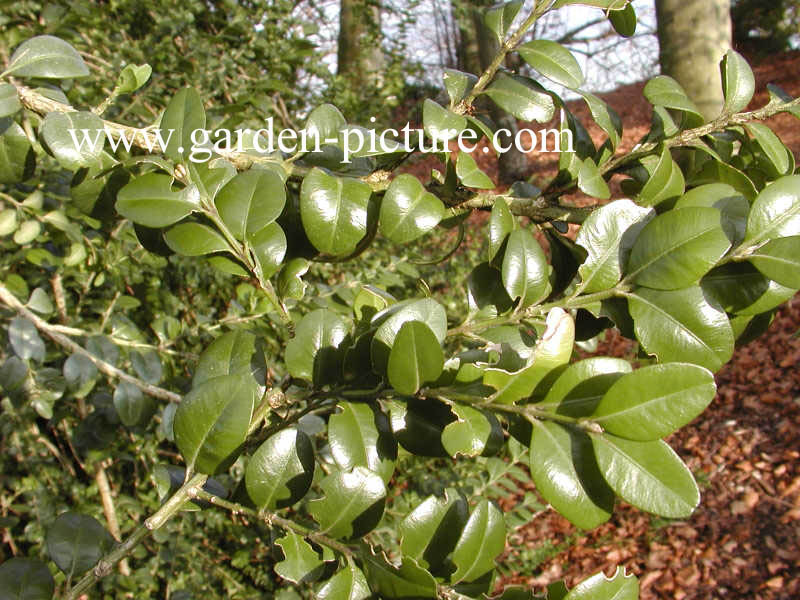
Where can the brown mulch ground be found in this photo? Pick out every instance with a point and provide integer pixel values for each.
(744, 539)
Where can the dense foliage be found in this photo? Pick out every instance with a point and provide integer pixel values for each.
(264, 368)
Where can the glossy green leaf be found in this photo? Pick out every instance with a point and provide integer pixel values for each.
(652, 402)
(775, 212)
(714, 171)
(360, 436)
(599, 587)
(24, 339)
(738, 82)
(408, 210)
(525, 270)
(430, 532)
(473, 433)
(553, 61)
(300, 560)
(212, 421)
(606, 117)
(608, 234)
(334, 211)
(315, 352)
(470, 175)
(184, 115)
(251, 201)
(352, 503)
(236, 352)
(348, 584)
(665, 91)
(501, 224)
(733, 206)
(778, 154)
(9, 100)
(676, 249)
(409, 580)
(681, 326)
(194, 239)
(458, 84)
(482, 540)
(290, 282)
(440, 123)
(516, 96)
(390, 321)
(665, 183)
(416, 358)
(17, 159)
(591, 182)
(486, 292)
(269, 247)
(47, 57)
(280, 472)
(418, 425)
(648, 475)
(779, 260)
(25, 579)
(211, 176)
(75, 542)
(75, 139)
(566, 474)
(132, 78)
(325, 122)
(498, 18)
(133, 407)
(569, 394)
(150, 200)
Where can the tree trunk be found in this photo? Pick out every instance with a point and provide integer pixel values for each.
(360, 55)
(693, 36)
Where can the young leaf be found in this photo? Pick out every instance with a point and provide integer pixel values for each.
(415, 358)
(553, 61)
(470, 175)
(360, 436)
(211, 422)
(677, 248)
(334, 211)
(481, 541)
(352, 503)
(132, 78)
(280, 472)
(300, 559)
(47, 57)
(738, 82)
(652, 402)
(408, 210)
(649, 475)
(565, 472)
(75, 542)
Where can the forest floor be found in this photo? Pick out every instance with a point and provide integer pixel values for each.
(744, 539)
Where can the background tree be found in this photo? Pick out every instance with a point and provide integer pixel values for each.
(693, 36)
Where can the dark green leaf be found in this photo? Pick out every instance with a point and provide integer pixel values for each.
(606, 118)
(738, 82)
(624, 21)
(440, 123)
(398, 583)
(591, 182)
(519, 98)
(430, 532)
(733, 206)
(553, 61)
(775, 212)
(251, 201)
(360, 436)
(418, 425)
(501, 224)
(458, 84)
(149, 200)
(352, 503)
(25, 579)
(184, 115)
(665, 91)
(9, 100)
(133, 407)
(525, 270)
(315, 352)
(348, 584)
(300, 559)
(236, 352)
(17, 159)
(280, 472)
(481, 541)
(194, 239)
(415, 358)
(780, 260)
(473, 433)
(334, 211)
(498, 18)
(212, 421)
(390, 320)
(269, 247)
(75, 542)
(778, 154)
(25, 340)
